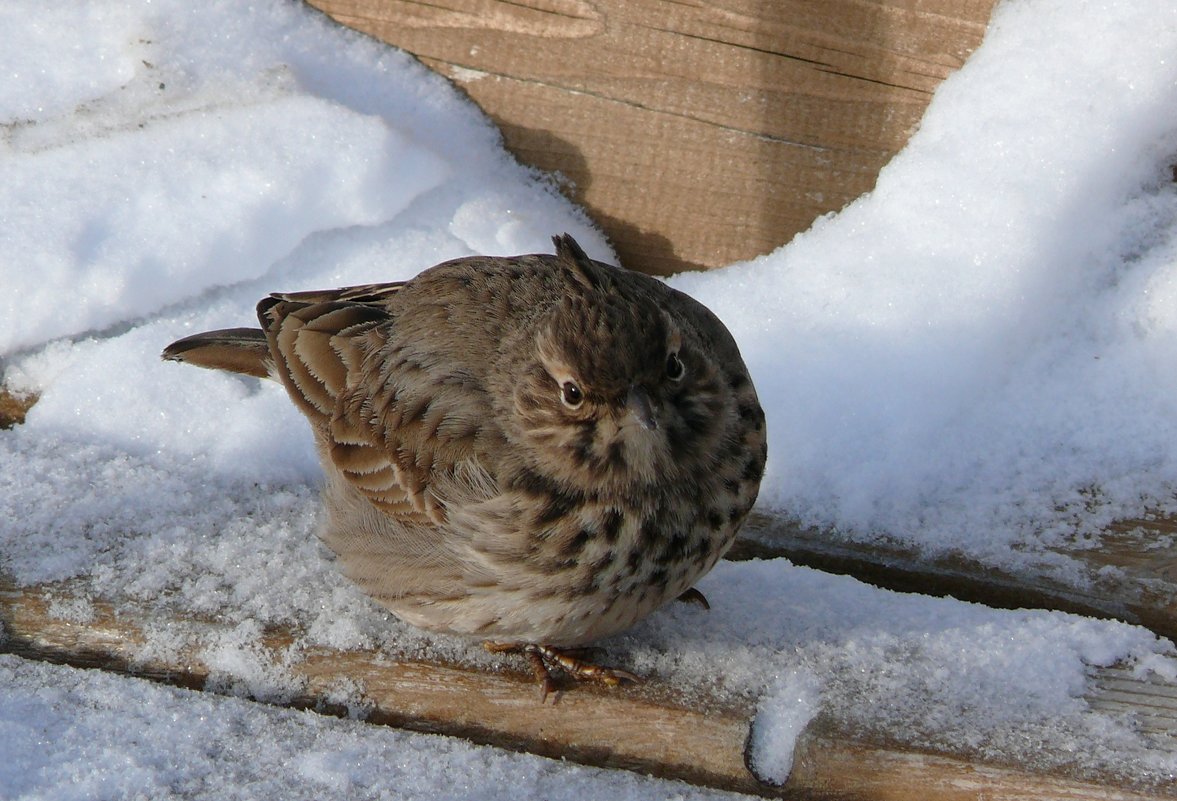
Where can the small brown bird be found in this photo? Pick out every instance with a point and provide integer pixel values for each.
(538, 451)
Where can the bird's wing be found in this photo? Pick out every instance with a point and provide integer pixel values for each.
(394, 422)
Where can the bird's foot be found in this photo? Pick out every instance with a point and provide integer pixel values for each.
(543, 658)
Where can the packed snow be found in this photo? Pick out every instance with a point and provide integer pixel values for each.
(959, 360)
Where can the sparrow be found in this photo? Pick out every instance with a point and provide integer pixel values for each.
(538, 451)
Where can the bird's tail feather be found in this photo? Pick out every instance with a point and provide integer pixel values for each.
(238, 350)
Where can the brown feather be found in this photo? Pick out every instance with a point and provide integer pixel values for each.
(238, 350)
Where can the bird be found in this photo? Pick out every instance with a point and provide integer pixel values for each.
(537, 451)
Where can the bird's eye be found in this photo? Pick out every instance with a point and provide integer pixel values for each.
(674, 367)
(571, 395)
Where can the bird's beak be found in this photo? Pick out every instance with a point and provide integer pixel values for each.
(638, 404)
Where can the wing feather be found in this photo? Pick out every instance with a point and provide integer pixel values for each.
(395, 426)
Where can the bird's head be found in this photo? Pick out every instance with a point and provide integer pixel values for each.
(621, 390)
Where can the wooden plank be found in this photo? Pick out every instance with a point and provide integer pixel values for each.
(696, 133)
(835, 770)
(1152, 701)
(13, 408)
(651, 729)
(1130, 576)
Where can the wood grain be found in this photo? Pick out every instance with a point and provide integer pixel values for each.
(827, 769)
(695, 133)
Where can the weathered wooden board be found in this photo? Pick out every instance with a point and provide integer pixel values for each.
(1131, 570)
(650, 729)
(695, 132)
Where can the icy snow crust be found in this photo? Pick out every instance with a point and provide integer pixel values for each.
(959, 360)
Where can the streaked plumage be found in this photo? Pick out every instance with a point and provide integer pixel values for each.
(538, 449)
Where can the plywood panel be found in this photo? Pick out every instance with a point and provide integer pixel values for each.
(695, 133)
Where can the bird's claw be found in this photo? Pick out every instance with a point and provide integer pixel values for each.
(543, 658)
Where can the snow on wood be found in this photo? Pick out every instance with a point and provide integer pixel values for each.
(655, 729)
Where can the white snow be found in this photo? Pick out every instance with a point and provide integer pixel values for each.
(980, 350)
(791, 701)
(77, 735)
(933, 673)
(963, 360)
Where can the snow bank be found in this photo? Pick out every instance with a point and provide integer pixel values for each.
(980, 351)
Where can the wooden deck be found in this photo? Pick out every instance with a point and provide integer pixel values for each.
(656, 728)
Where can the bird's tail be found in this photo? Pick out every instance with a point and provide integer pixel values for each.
(238, 350)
